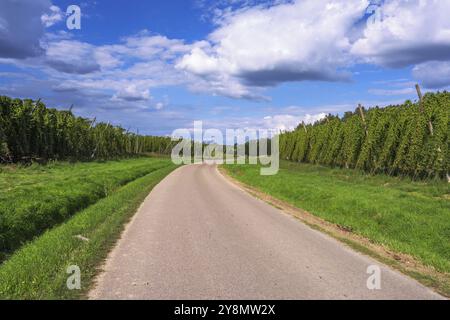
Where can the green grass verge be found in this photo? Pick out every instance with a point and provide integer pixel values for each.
(36, 198)
(38, 270)
(406, 216)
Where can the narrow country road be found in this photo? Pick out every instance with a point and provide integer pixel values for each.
(197, 236)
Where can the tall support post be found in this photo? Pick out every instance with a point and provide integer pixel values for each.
(422, 109)
(363, 117)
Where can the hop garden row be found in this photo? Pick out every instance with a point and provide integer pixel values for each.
(29, 130)
(395, 140)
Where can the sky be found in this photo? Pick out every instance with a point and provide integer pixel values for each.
(157, 66)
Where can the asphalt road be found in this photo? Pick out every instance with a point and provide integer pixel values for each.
(197, 236)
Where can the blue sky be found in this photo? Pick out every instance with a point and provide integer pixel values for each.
(156, 66)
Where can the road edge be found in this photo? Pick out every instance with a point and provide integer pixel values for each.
(406, 264)
(91, 293)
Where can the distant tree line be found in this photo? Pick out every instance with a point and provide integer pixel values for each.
(31, 131)
(409, 139)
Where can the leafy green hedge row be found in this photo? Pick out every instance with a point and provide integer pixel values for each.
(395, 140)
(29, 130)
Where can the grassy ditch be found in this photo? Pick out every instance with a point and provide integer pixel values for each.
(34, 199)
(39, 269)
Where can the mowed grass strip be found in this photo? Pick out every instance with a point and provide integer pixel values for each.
(38, 270)
(406, 216)
(37, 198)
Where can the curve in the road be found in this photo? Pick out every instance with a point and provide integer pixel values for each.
(197, 236)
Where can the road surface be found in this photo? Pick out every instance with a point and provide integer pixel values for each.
(197, 236)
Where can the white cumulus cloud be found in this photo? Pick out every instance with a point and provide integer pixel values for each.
(287, 122)
(316, 40)
(264, 46)
(408, 32)
(132, 93)
(54, 16)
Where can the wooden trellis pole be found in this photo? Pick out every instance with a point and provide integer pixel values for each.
(363, 117)
(304, 127)
(422, 109)
(92, 123)
(137, 142)
(430, 124)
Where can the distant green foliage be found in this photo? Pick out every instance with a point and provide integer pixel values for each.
(398, 140)
(29, 130)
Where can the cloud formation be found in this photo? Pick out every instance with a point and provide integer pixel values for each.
(254, 45)
(132, 93)
(317, 40)
(21, 27)
(73, 57)
(265, 46)
(408, 32)
(288, 122)
(55, 16)
(434, 74)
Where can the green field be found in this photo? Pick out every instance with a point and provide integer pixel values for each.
(34, 199)
(406, 216)
(38, 269)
